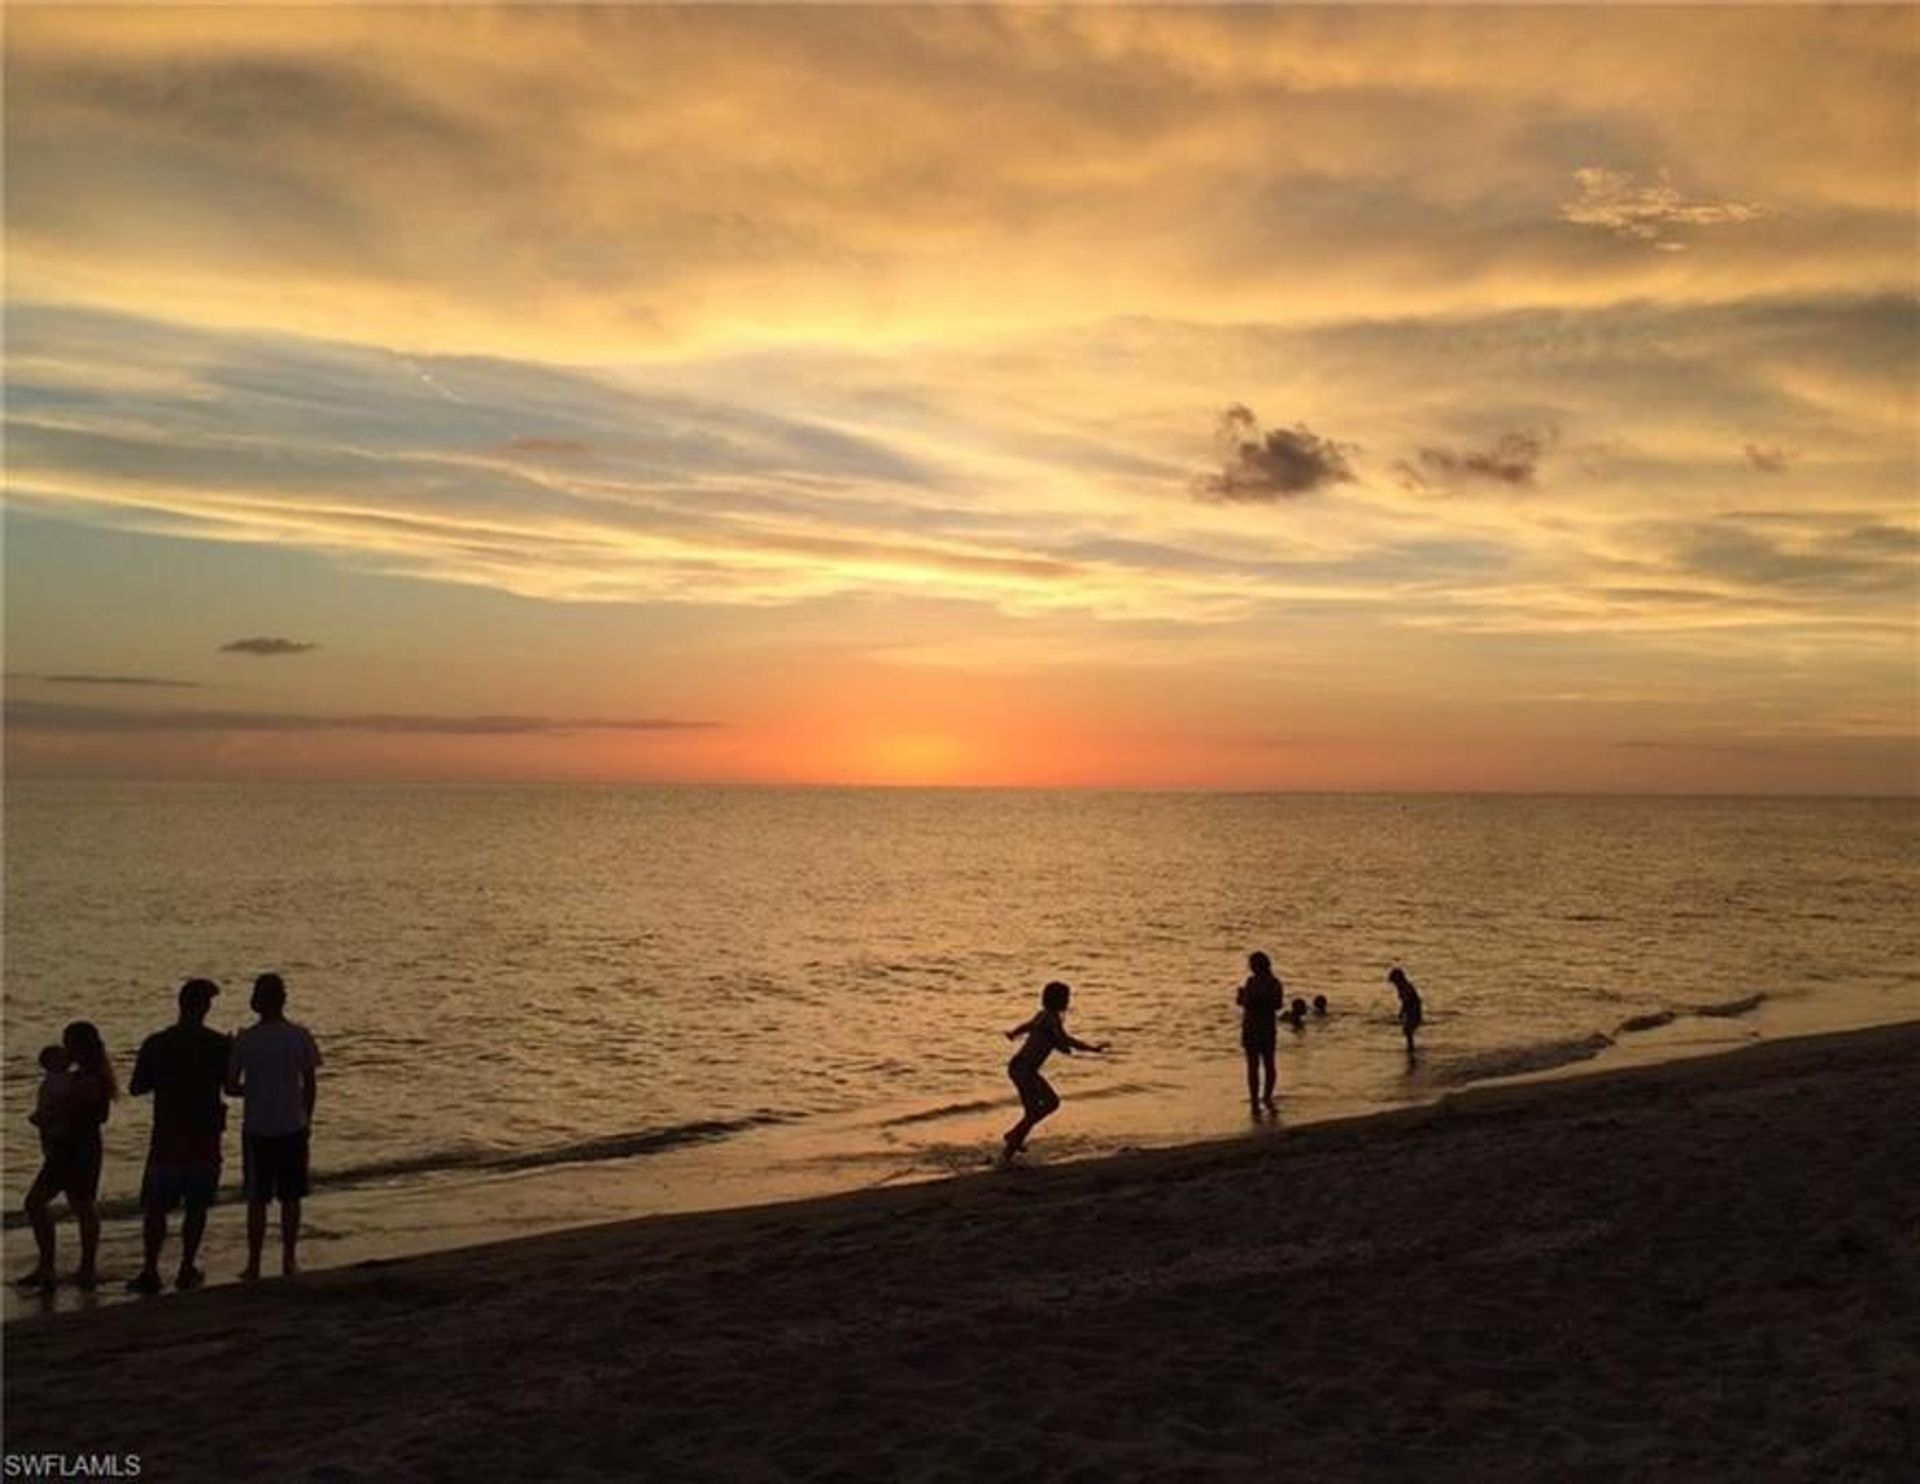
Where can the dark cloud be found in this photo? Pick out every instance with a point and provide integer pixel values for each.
(1513, 460)
(48, 716)
(267, 647)
(1260, 467)
(155, 681)
(1768, 460)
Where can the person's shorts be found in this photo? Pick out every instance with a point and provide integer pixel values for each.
(275, 1166)
(170, 1182)
(69, 1167)
(1261, 1040)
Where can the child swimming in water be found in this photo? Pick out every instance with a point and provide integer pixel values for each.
(1046, 1033)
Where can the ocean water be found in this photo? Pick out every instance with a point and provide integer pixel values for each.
(550, 1004)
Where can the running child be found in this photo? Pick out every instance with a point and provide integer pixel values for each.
(1046, 1033)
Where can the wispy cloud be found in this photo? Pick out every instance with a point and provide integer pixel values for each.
(1512, 460)
(268, 647)
(1650, 212)
(143, 681)
(1768, 460)
(46, 716)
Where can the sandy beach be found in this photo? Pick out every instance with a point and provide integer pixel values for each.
(1704, 1270)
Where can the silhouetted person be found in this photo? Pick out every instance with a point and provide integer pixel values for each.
(1410, 1012)
(185, 1068)
(1259, 1000)
(1296, 1015)
(1046, 1033)
(70, 1154)
(50, 1099)
(274, 1068)
(1319, 1007)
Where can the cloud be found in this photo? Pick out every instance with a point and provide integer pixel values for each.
(1277, 464)
(1512, 460)
(154, 681)
(543, 448)
(1614, 201)
(46, 716)
(268, 647)
(1768, 460)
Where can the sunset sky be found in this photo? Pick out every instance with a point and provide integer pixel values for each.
(1253, 398)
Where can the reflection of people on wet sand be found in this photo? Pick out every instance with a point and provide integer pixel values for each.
(1046, 1033)
(1259, 1001)
(273, 1067)
(70, 1150)
(1410, 1013)
(185, 1068)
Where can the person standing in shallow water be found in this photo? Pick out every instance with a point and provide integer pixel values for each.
(185, 1068)
(1046, 1032)
(71, 1154)
(1259, 1000)
(1410, 1010)
(274, 1068)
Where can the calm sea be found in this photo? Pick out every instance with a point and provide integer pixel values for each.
(551, 1004)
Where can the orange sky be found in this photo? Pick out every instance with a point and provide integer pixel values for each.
(1244, 398)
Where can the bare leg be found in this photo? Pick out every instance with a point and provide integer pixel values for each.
(1268, 1071)
(41, 1220)
(153, 1237)
(1253, 1079)
(256, 1239)
(88, 1215)
(290, 1235)
(192, 1228)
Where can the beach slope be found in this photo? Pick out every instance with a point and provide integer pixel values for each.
(1699, 1271)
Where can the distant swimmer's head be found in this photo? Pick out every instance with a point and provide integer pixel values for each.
(1260, 963)
(269, 995)
(1299, 1007)
(1056, 996)
(196, 998)
(53, 1058)
(1319, 1004)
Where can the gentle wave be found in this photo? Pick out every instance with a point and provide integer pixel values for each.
(1714, 1010)
(604, 1149)
(1511, 1061)
(984, 1105)
(1727, 1009)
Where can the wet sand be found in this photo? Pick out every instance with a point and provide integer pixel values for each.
(1707, 1269)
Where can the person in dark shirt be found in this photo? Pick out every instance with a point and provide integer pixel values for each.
(185, 1068)
(1259, 999)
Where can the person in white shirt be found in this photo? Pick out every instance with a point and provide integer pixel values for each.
(274, 1070)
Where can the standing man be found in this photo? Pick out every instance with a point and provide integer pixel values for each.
(183, 1067)
(274, 1068)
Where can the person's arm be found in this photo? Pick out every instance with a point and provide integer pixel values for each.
(1240, 995)
(142, 1082)
(235, 1082)
(1022, 1028)
(1070, 1044)
(310, 1077)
